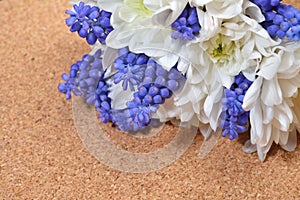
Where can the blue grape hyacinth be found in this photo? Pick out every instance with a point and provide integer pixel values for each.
(281, 20)
(267, 5)
(87, 79)
(70, 85)
(91, 72)
(156, 86)
(150, 83)
(103, 101)
(186, 26)
(93, 85)
(136, 117)
(89, 22)
(234, 118)
(130, 68)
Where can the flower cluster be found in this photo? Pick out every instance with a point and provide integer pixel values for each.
(103, 100)
(186, 25)
(155, 85)
(130, 68)
(91, 70)
(281, 20)
(227, 65)
(89, 22)
(234, 117)
(70, 85)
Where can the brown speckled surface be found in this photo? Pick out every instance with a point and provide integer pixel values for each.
(41, 156)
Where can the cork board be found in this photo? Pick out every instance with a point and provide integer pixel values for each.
(42, 157)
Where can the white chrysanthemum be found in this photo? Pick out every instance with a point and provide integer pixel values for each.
(215, 12)
(269, 100)
(239, 45)
(212, 18)
(132, 18)
(223, 9)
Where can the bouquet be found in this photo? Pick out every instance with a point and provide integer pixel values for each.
(224, 66)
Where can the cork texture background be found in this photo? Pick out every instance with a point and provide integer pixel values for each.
(42, 157)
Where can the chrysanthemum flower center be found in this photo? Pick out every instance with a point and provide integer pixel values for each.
(138, 6)
(221, 50)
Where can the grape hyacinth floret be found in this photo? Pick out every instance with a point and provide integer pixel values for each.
(281, 21)
(157, 85)
(93, 85)
(103, 101)
(70, 85)
(135, 117)
(87, 79)
(89, 22)
(130, 68)
(234, 118)
(186, 25)
(91, 72)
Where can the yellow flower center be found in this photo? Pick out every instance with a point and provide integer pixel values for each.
(138, 6)
(221, 50)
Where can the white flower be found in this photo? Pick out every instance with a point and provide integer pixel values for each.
(210, 63)
(211, 21)
(223, 9)
(131, 19)
(235, 45)
(238, 46)
(269, 100)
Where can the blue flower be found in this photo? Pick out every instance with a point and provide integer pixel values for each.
(103, 101)
(186, 25)
(281, 21)
(136, 117)
(91, 73)
(94, 86)
(70, 85)
(266, 5)
(130, 68)
(234, 118)
(89, 22)
(156, 86)
(87, 79)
